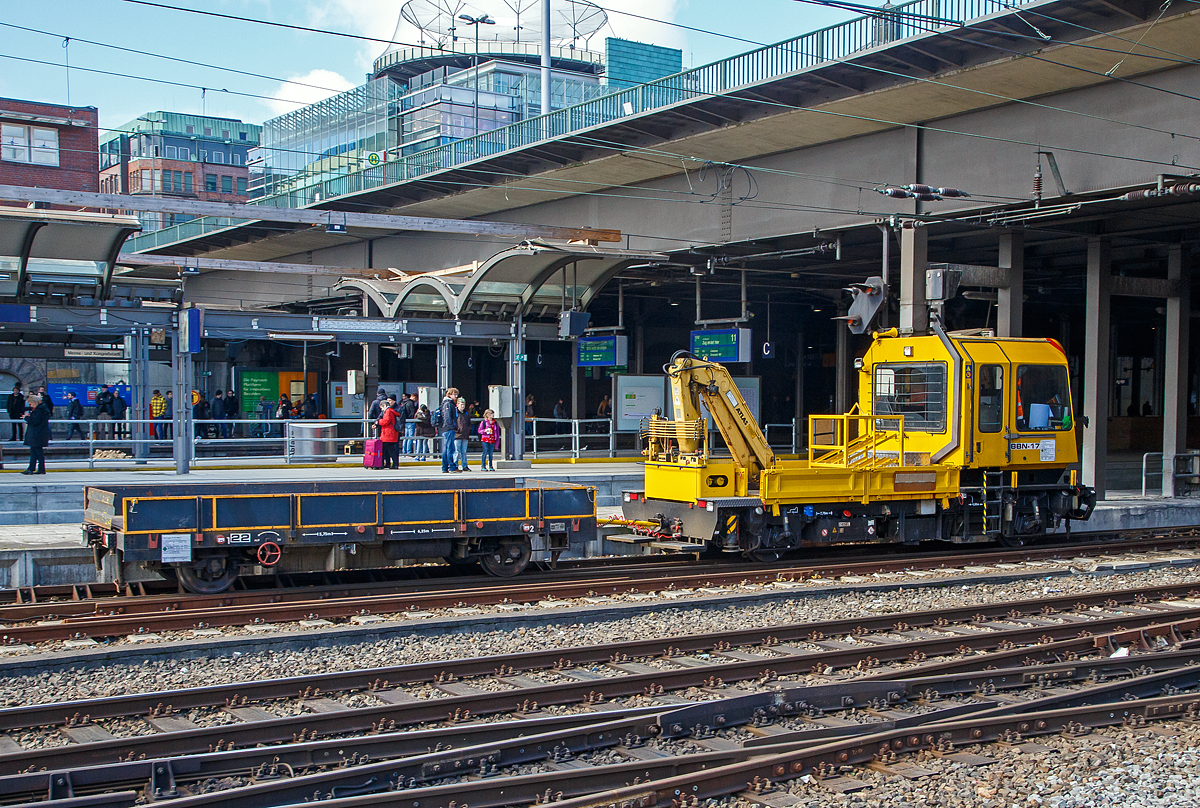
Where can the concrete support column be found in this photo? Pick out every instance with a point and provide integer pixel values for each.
(1010, 302)
(516, 378)
(1175, 369)
(371, 369)
(181, 412)
(445, 364)
(914, 261)
(845, 368)
(1096, 362)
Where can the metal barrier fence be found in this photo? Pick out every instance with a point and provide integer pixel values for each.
(1187, 467)
(753, 67)
(306, 440)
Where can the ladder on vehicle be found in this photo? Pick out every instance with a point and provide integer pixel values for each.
(993, 501)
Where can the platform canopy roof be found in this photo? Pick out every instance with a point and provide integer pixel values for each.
(53, 256)
(534, 279)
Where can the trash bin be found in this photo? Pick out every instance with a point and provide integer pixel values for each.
(312, 442)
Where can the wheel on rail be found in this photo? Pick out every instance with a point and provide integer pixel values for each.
(765, 555)
(208, 575)
(1011, 541)
(509, 558)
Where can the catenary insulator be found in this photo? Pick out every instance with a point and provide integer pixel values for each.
(895, 193)
(918, 188)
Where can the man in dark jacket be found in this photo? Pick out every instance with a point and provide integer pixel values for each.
(37, 435)
(120, 408)
(168, 417)
(462, 434)
(310, 406)
(233, 411)
(447, 417)
(74, 414)
(216, 411)
(375, 411)
(408, 405)
(104, 412)
(200, 413)
(16, 412)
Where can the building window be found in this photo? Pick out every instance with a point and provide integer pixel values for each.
(915, 391)
(185, 153)
(189, 129)
(210, 182)
(237, 159)
(241, 186)
(177, 181)
(226, 185)
(241, 135)
(29, 144)
(208, 131)
(203, 156)
(218, 157)
(155, 151)
(187, 182)
(224, 134)
(171, 152)
(145, 183)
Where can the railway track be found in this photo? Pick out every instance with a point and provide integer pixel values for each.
(644, 722)
(26, 625)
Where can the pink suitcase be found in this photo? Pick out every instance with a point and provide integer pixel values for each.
(373, 454)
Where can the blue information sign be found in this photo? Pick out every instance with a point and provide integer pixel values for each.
(722, 344)
(86, 393)
(602, 352)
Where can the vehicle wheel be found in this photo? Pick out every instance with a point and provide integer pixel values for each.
(1010, 541)
(208, 575)
(509, 558)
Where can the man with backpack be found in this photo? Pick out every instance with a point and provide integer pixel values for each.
(444, 419)
(408, 416)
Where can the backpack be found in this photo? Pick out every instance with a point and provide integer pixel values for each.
(436, 420)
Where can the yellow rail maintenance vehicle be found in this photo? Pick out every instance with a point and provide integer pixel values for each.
(959, 437)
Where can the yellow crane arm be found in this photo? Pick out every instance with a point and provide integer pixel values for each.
(694, 381)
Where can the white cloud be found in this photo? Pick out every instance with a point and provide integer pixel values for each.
(313, 86)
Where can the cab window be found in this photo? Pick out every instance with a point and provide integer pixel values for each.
(916, 391)
(991, 398)
(1043, 398)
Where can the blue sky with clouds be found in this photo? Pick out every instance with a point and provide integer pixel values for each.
(327, 63)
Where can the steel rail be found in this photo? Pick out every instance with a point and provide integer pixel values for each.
(416, 673)
(384, 717)
(225, 610)
(675, 781)
(352, 751)
(65, 600)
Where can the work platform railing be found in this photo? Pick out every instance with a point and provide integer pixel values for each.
(855, 441)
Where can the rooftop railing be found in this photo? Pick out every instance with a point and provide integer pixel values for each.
(758, 66)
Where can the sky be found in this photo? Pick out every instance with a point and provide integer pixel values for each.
(295, 68)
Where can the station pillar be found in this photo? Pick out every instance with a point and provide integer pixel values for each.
(914, 261)
(181, 412)
(1096, 361)
(1175, 368)
(844, 372)
(1010, 300)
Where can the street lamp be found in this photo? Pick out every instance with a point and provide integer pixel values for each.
(476, 22)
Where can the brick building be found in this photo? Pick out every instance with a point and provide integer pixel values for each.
(175, 155)
(48, 145)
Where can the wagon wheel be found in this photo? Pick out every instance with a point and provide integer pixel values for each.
(208, 575)
(509, 558)
(765, 555)
(1010, 541)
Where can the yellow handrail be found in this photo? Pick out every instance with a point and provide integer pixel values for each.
(856, 441)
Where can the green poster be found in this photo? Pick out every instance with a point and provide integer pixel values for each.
(256, 383)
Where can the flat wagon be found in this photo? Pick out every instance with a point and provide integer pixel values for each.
(207, 534)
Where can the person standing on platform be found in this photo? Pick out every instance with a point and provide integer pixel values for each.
(233, 412)
(158, 405)
(200, 414)
(166, 431)
(120, 411)
(310, 406)
(408, 406)
(424, 432)
(444, 420)
(560, 415)
(104, 412)
(75, 415)
(283, 412)
(489, 437)
(216, 411)
(16, 412)
(263, 412)
(462, 434)
(37, 433)
(376, 409)
(389, 434)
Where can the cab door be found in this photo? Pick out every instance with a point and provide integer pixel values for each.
(988, 391)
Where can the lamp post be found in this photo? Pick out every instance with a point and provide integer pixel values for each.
(476, 22)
